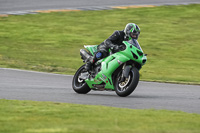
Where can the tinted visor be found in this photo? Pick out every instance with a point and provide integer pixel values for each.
(134, 35)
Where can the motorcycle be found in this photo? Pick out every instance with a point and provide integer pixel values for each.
(118, 72)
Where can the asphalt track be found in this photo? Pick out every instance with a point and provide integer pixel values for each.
(29, 6)
(37, 86)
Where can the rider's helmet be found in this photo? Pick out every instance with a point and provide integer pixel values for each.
(132, 31)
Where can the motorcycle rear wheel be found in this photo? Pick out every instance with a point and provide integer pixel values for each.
(126, 87)
(80, 86)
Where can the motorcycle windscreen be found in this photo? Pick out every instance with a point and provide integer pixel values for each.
(135, 43)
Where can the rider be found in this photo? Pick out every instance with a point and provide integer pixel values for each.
(114, 42)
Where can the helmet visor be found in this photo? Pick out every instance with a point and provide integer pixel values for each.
(134, 35)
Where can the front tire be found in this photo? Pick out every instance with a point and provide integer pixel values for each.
(126, 87)
(78, 85)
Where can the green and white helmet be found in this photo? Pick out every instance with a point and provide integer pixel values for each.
(132, 31)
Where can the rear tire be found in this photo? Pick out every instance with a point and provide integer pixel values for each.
(80, 86)
(125, 88)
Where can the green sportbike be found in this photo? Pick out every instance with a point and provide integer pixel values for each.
(118, 72)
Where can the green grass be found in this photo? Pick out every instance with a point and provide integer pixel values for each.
(48, 117)
(51, 42)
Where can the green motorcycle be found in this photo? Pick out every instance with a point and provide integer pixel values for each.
(118, 72)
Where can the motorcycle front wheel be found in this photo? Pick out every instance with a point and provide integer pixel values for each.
(79, 85)
(126, 87)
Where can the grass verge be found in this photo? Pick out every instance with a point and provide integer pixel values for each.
(47, 117)
(50, 42)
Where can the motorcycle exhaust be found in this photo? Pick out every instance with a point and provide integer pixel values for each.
(85, 55)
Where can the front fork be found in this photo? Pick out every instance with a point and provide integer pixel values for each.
(125, 72)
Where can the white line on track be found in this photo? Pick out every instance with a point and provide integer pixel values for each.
(12, 69)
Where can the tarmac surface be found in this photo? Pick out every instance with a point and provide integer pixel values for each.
(38, 86)
(32, 6)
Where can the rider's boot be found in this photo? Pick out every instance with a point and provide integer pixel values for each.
(88, 66)
(87, 58)
(90, 62)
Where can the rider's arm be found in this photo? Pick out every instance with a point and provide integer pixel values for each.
(113, 38)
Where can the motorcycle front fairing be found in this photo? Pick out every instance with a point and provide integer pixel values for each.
(108, 65)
